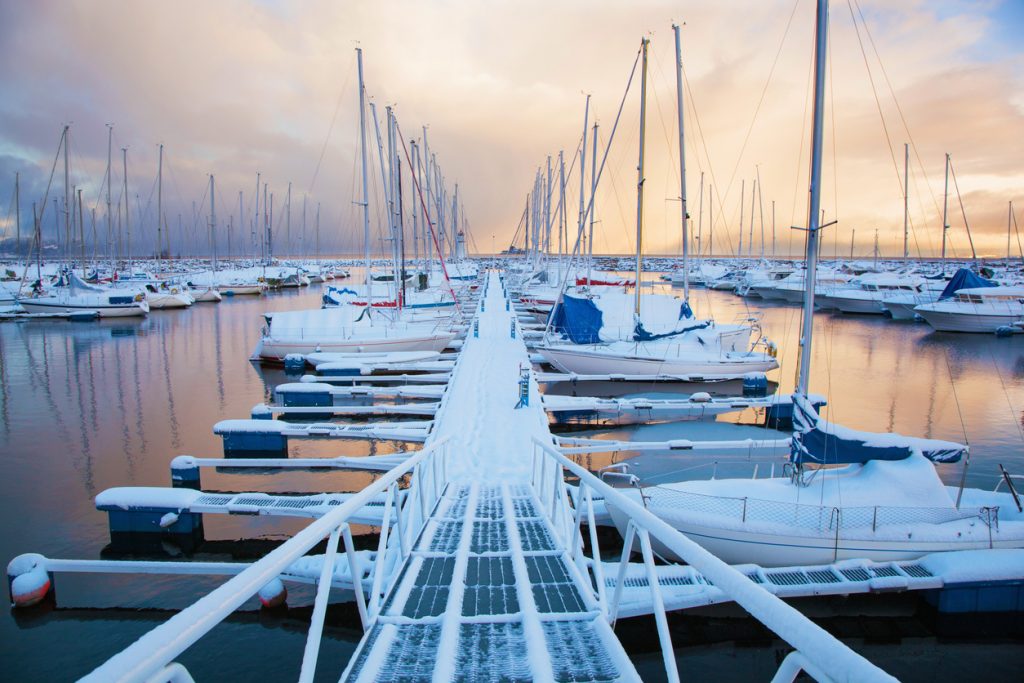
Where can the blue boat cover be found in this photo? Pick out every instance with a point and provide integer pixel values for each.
(819, 442)
(964, 279)
(581, 320)
(578, 319)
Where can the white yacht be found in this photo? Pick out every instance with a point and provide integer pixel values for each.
(977, 309)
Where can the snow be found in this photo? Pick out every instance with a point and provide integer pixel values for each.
(32, 581)
(126, 497)
(976, 565)
(490, 438)
(251, 426)
(911, 482)
(313, 387)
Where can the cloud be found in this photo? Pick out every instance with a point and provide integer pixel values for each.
(233, 88)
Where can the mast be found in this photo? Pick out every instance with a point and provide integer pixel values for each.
(81, 231)
(17, 213)
(906, 199)
(711, 220)
(67, 197)
(579, 223)
(644, 42)
(127, 222)
(593, 195)
(159, 202)
(773, 229)
(213, 227)
(110, 215)
(813, 206)
(743, 194)
(682, 166)
(317, 229)
(414, 167)
(1009, 223)
(256, 220)
(700, 220)
(366, 195)
(945, 215)
(288, 222)
(760, 209)
(750, 235)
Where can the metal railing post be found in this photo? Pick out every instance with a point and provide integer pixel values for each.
(316, 625)
(660, 618)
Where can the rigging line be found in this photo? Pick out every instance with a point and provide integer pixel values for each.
(798, 175)
(330, 128)
(956, 398)
(1013, 214)
(899, 109)
(960, 199)
(878, 102)
(764, 91)
(715, 191)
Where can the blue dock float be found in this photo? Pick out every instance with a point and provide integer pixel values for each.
(140, 518)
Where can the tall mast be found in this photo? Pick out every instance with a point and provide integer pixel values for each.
(583, 156)
(1009, 223)
(256, 219)
(700, 218)
(644, 42)
(17, 212)
(159, 202)
(213, 226)
(127, 202)
(773, 229)
(362, 149)
(110, 215)
(288, 222)
(750, 235)
(743, 194)
(906, 199)
(81, 231)
(760, 209)
(682, 165)
(593, 197)
(414, 168)
(317, 229)
(813, 206)
(945, 215)
(67, 197)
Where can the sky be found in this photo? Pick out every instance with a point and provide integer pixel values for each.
(234, 88)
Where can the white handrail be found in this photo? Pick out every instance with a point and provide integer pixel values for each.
(821, 649)
(155, 650)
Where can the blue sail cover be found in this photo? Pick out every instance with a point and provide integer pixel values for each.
(578, 319)
(964, 279)
(819, 442)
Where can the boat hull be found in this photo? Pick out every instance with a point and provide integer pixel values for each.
(790, 549)
(965, 321)
(136, 309)
(589, 361)
(275, 350)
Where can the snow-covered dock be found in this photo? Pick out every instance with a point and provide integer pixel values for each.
(482, 574)
(271, 436)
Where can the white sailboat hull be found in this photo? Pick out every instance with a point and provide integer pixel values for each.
(53, 305)
(736, 546)
(273, 349)
(596, 360)
(966, 321)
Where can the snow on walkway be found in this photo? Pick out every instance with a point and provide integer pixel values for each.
(488, 592)
(490, 438)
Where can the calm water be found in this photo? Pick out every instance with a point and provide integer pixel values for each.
(85, 407)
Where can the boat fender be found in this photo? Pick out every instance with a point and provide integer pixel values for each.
(274, 594)
(1004, 331)
(700, 397)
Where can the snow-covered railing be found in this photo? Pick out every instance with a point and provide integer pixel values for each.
(148, 658)
(820, 653)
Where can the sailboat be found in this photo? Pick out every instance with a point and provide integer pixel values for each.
(847, 494)
(350, 328)
(80, 296)
(681, 345)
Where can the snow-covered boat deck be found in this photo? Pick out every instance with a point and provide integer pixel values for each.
(488, 592)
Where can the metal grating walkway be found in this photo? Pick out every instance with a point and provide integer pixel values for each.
(471, 611)
(488, 593)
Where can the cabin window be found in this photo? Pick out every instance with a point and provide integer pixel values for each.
(119, 300)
